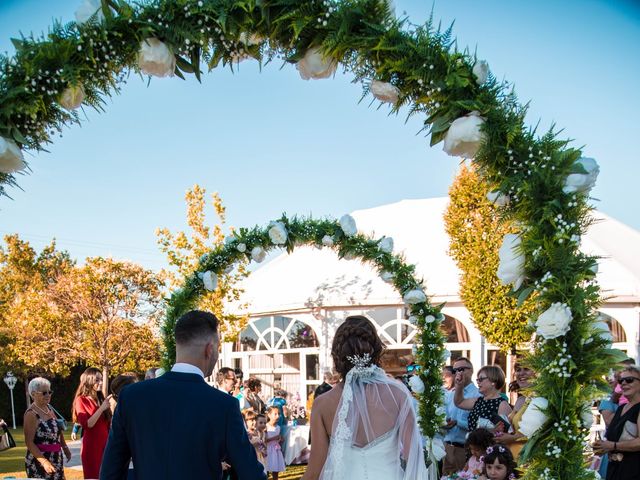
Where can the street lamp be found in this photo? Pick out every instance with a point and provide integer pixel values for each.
(11, 380)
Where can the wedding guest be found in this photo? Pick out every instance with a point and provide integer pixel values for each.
(252, 395)
(490, 404)
(607, 409)
(514, 439)
(92, 411)
(477, 443)
(457, 427)
(499, 464)
(325, 386)
(257, 437)
(150, 373)
(177, 426)
(448, 376)
(226, 380)
(623, 444)
(275, 459)
(279, 400)
(117, 384)
(43, 438)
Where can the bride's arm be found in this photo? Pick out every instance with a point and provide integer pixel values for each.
(319, 441)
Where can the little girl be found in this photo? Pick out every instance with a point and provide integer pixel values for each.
(275, 460)
(477, 443)
(256, 426)
(499, 464)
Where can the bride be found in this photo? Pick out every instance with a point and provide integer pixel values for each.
(365, 427)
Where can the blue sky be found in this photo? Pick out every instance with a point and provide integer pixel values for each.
(270, 142)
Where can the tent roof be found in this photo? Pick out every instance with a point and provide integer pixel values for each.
(311, 277)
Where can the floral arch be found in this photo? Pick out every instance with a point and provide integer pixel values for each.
(539, 181)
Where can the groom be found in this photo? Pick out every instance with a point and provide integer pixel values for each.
(177, 426)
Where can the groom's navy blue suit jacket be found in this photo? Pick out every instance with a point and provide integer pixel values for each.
(177, 427)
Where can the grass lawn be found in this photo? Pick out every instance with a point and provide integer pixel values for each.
(12, 462)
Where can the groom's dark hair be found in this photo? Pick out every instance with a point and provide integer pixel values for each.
(195, 325)
(356, 336)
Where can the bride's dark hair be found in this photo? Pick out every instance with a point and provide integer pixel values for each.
(356, 336)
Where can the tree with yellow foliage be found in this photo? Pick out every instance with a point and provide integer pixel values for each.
(183, 251)
(476, 231)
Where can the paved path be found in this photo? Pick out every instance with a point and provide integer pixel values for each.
(76, 462)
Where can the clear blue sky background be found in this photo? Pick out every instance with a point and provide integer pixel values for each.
(270, 142)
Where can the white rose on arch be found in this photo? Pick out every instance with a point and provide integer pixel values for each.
(278, 233)
(258, 254)
(481, 71)
(499, 199)
(348, 225)
(241, 247)
(387, 277)
(384, 91)
(87, 9)
(386, 244)
(155, 58)
(464, 137)
(511, 266)
(416, 384)
(315, 65)
(72, 97)
(582, 182)
(11, 159)
(327, 241)
(534, 416)
(554, 322)
(414, 296)
(210, 280)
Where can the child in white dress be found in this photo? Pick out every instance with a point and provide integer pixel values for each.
(275, 459)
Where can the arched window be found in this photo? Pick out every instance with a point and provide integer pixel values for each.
(454, 330)
(616, 328)
(393, 328)
(276, 333)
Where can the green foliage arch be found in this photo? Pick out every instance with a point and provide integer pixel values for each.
(546, 180)
(253, 244)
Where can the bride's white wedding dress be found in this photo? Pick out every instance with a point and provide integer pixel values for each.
(375, 434)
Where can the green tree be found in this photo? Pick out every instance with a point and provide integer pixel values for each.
(183, 251)
(115, 307)
(475, 231)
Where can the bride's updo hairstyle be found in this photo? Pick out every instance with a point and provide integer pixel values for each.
(356, 336)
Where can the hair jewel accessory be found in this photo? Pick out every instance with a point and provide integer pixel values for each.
(489, 450)
(362, 366)
(512, 476)
(500, 449)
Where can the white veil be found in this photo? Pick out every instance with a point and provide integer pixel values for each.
(373, 407)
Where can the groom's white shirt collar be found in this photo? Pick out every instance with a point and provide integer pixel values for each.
(187, 368)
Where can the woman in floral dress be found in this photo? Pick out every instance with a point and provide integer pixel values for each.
(45, 441)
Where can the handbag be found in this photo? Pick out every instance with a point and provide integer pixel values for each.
(6, 440)
(60, 420)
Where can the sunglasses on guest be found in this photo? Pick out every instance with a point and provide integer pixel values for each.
(45, 394)
(413, 368)
(481, 379)
(628, 380)
(461, 369)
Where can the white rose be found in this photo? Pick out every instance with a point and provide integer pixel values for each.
(229, 240)
(601, 329)
(72, 97)
(385, 92)
(87, 9)
(155, 58)
(348, 225)
(416, 384)
(554, 322)
(481, 71)
(464, 137)
(594, 268)
(11, 159)
(498, 198)
(315, 65)
(251, 39)
(533, 417)
(327, 241)
(414, 296)
(429, 319)
(278, 233)
(386, 244)
(582, 182)
(242, 247)
(387, 277)
(210, 280)
(412, 319)
(258, 254)
(586, 416)
(511, 267)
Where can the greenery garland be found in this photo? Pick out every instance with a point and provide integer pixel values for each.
(253, 244)
(542, 183)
